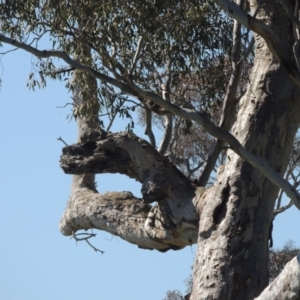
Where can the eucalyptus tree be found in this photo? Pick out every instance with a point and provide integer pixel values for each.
(190, 67)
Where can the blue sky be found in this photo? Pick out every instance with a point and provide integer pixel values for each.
(37, 262)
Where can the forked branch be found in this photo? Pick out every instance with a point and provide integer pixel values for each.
(241, 16)
(86, 239)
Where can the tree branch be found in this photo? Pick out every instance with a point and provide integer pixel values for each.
(86, 239)
(148, 130)
(286, 285)
(72, 62)
(283, 208)
(129, 155)
(136, 55)
(229, 103)
(122, 214)
(87, 210)
(190, 114)
(168, 122)
(265, 31)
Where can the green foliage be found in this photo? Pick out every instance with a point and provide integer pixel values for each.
(183, 45)
(194, 36)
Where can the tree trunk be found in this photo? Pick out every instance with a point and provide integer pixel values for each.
(235, 216)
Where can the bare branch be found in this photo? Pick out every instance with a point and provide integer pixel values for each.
(136, 55)
(209, 126)
(229, 103)
(148, 130)
(279, 199)
(65, 105)
(283, 208)
(168, 119)
(210, 162)
(60, 139)
(62, 70)
(192, 171)
(86, 239)
(8, 51)
(279, 209)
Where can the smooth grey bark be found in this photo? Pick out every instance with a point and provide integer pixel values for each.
(148, 130)
(286, 285)
(168, 119)
(232, 256)
(229, 103)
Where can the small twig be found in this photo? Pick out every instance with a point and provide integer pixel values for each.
(283, 208)
(136, 56)
(60, 139)
(95, 249)
(152, 69)
(114, 115)
(89, 235)
(8, 51)
(62, 71)
(192, 171)
(65, 105)
(112, 237)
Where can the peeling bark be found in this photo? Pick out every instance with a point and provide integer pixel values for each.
(129, 155)
(234, 223)
(171, 224)
(119, 213)
(173, 220)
